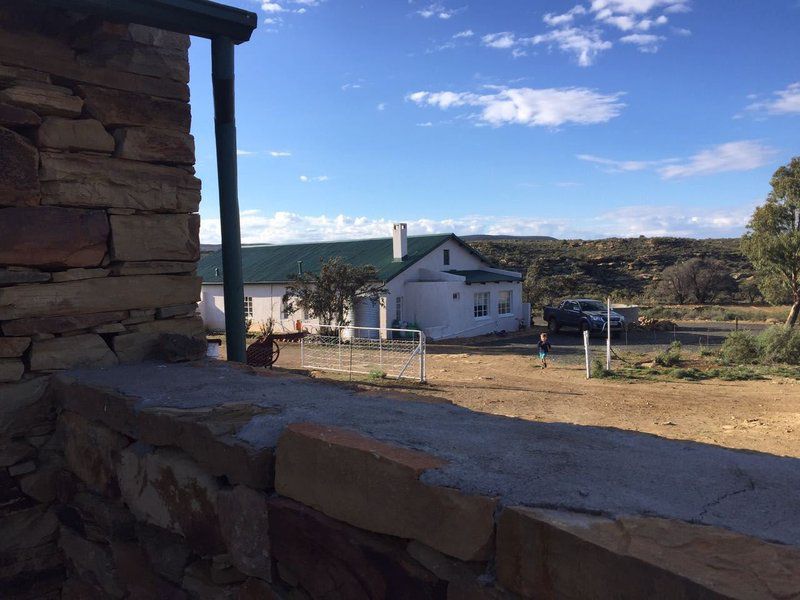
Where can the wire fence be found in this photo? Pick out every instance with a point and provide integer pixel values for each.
(384, 352)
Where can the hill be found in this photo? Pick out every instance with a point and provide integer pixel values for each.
(622, 266)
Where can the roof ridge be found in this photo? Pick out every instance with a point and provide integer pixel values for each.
(377, 239)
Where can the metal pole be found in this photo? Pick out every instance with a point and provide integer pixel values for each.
(222, 77)
(608, 338)
(586, 351)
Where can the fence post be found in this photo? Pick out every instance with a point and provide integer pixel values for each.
(586, 351)
(380, 351)
(421, 357)
(302, 352)
(608, 336)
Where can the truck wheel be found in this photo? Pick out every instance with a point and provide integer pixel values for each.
(552, 326)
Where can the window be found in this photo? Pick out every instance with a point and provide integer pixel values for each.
(456, 296)
(504, 303)
(248, 307)
(481, 307)
(446, 256)
(398, 309)
(286, 313)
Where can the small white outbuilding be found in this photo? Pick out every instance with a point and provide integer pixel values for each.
(437, 283)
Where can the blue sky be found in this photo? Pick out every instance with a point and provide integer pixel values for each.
(591, 119)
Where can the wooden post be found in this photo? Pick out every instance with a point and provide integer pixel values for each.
(586, 351)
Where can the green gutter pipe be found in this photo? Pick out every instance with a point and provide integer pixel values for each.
(222, 77)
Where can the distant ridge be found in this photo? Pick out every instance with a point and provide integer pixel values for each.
(485, 238)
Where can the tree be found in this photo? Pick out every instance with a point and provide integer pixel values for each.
(772, 241)
(701, 280)
(330, 294)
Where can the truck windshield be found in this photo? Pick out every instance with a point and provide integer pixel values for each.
(591, 306)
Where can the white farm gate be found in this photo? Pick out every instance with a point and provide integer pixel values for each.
(398, 353)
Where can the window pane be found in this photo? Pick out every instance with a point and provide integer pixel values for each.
(504, 302)
(481, 305)
(446, 254)
(398, 309)
(248, 306)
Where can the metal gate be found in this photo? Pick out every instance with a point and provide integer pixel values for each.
(366, 350)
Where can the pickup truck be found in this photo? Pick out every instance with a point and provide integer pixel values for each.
(584, 315)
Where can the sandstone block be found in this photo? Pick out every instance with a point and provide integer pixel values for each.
(166, 488)
(22, 468)
(74, 135)
(78, 274)
(154, 145)
(166, 551)
(96, 181)
(11, 75)
(11, 369)
(176, 347)
(25, 406)
(198, 582)
(48, 325)
(176, 311)
(27, 530)
(16, 276)
(41, 483)
(109, 328)
(12, 452)
(97, 295)
(93, 562)
(346, 475)
(92, 451)
(19, 163)
(151, 36)
(116, 108)
(138, 576)
(143, 342)
(11, 347)
(14, 117)
(44, 100)
(85, 350)
(561, 554)
(245, 528)
(103, 519)
(53, 237)
(332, 559)
(209, 437)
(155, 237)
(152, 268)
(131, 57)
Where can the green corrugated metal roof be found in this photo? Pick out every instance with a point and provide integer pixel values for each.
(278, 264)
(479, 276)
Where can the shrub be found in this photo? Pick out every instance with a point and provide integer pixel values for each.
(780, 344)
(599, 369)
(377, 374)
(740, 348)
(669, 357)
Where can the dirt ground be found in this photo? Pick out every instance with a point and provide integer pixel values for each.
(754, 415)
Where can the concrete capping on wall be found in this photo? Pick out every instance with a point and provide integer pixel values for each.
(284, 487)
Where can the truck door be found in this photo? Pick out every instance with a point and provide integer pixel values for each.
(572, 314)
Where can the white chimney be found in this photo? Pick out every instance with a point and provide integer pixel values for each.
(399, 241)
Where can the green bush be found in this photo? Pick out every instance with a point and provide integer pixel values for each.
(599, 369)
(780, 344)
(670, 357)
(740, 348)
(377, 374)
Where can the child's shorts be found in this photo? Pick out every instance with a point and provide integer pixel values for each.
(542, 355)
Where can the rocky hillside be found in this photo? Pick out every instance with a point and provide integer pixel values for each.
(623, 266)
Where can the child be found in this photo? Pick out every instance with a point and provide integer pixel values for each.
(544, 348)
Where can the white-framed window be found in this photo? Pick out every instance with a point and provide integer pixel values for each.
(446, 256)
(480, 307)
(248, 307)
(286, 312)
(398, 309)
(504, 303)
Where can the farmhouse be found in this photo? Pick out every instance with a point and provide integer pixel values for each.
(434, 282)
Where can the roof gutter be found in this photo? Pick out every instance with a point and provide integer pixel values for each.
(201, 18)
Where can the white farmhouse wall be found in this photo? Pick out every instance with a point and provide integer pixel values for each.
(430, 304)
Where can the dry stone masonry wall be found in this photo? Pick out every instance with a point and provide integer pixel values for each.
(98, 239)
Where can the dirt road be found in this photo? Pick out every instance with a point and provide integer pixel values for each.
(754, 415)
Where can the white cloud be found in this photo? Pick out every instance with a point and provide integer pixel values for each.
(276, 10)
(381, 106)
(351, 86)
(743, 155)
(782, 102)
(548, 107)
(240, 152)
(623, 166)
(638, 7)
(645, 42)
(317, 178)
(628, 221)
(502, 40)
(439, 11)
(564, 18)
(425, 124)
(585, 44)
(467, 33)
(279, 153)
(272, 7)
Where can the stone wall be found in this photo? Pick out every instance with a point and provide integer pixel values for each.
(98, 236)
(218, 482)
